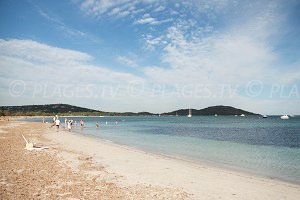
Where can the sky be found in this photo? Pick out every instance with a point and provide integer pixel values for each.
(151, 55)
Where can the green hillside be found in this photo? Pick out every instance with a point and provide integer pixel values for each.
(48, 110)
(219, 110)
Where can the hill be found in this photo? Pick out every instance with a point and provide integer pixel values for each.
(48, 109)
(65, 109)
(61, 109)
(219, 110)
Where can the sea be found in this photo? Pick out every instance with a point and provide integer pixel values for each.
(269, 147)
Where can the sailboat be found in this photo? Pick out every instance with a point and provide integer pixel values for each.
(284, 117)
(176, 114)
(190, 113)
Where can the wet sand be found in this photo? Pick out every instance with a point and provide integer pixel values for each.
(81, 167)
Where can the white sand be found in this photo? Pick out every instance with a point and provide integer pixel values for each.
(204, 182)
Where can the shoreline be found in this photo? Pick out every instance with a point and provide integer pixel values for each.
(180, 163)
(149, 172)
(205, 163)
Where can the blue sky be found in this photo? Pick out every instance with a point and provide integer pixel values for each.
(150, 55)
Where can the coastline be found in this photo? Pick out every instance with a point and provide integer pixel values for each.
(196, 162)
(146, 173)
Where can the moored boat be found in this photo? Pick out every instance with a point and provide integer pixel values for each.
(284, 117)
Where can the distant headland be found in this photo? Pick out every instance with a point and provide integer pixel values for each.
(70, 110)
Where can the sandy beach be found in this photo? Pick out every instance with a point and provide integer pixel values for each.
(80, 167)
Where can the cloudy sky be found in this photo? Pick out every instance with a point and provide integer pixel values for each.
(151, 55)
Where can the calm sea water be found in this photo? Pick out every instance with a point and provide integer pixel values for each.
(269, 147)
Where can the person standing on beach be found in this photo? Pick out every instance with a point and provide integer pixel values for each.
(53, 122)
(69, 125)
(97, 125)
(66, 123)
(57, 122)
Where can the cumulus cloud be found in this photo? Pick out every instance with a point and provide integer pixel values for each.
(18, 55)
(39, 66)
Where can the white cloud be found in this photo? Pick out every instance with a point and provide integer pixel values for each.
(203, 6)
(39, 65)
(149, 20)
(27, 56)
(59, 24)
(99, 8)
(137, 11)
(36, 52)
(238, 54)
(152, 42)
(127, 61)
(159, 8)
(225, 59)
(119, 13)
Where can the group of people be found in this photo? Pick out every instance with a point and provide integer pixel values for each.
(69, 123)
(56, 122)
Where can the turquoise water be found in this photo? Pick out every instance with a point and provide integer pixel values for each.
(269, 147)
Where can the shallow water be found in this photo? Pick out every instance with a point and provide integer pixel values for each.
(269, 147)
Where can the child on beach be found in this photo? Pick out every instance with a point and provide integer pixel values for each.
(69, 123)
(57, 122)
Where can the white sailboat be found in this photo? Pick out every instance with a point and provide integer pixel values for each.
(284, 117)
(190, 113)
